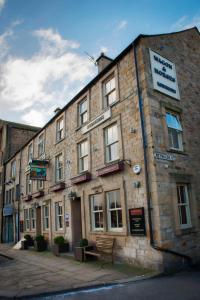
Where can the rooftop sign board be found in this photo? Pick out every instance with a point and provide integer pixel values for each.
(164, 75)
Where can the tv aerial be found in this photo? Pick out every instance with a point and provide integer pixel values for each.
(91, 58)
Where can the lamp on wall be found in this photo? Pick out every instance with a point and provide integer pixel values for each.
(72, 196)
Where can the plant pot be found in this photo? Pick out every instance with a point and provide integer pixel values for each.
(24, 245)
(40, 245)
(79, 253)
(57, 249)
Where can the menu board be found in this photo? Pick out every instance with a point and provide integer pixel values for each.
(137, 221)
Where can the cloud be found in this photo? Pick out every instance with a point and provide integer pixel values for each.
(103, 49)
(122, 25)
(2, 4)
(36, 85)
(185, 22)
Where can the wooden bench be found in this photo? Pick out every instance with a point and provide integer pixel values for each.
(102, 249)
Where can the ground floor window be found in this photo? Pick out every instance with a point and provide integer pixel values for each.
(58, 215)
(183, 205)
(97, 211)
(46, 217)
(32, 218)
(114, 210)
(26, 219)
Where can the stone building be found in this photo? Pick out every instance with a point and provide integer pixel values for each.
(122, 157)
(12, 137)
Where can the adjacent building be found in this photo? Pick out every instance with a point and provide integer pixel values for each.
(12, 137)
(122, 158)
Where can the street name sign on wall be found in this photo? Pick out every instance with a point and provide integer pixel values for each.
(97, 121)
(164, 75)
(164, 156)
(137, 221)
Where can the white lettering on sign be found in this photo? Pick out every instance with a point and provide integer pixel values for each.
(164, 156)
(100, 119)
(164, 75)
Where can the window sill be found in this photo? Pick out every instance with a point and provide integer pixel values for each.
(109, 233)
(177, 152)
(186, 231)
(58, 142)
(82, 125)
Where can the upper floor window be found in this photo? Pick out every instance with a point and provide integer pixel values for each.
(28, 184)
(174, 131)
(183, 206)
(30, 152)
(41, 145)
(83, 112)
(26, 219)
(111, 143)
(59, 129)
(109, 90)
(59, 167)
(46, 217)
(32, 218)
(83, 156)
(13, 169)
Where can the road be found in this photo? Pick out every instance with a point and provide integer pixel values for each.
(183, 286)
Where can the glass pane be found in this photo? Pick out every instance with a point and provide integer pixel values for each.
(97, 203)
(113, 215)
(83, 107)
(84, 117)
(112, 97)
(183, 214)
(174, 138)
(173, 121)
(85, 163)
(114, 151)
(110, 85)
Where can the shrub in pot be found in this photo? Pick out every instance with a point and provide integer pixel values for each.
(29, 239)
(60, 245)
(79, 250)
(40, 244)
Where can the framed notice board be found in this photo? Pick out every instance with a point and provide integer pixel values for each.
(137, 221)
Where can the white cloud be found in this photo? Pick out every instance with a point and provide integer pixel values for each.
(185, 22)
(2, 4)
(122, 25)
(50, 77)
(103, 49)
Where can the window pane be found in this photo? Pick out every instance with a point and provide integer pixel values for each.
(173, 121)
(112, 97)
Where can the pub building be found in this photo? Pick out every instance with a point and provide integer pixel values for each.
(121, 159)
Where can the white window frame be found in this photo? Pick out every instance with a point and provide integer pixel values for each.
(59, 167)
(59, 216)
(186, 204)
(40, 185)
(83, 156)
(83, 114)
(116, 209)
(178, 132)
(60, 129)
(41, 145)
(13, 169)
(109, 144)
(46, 214)
(32, 214)
(26, 219)
(30, 152)
(107, 93)
(94, 212)
(28, 184)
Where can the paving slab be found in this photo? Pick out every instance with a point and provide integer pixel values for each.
(32, 273)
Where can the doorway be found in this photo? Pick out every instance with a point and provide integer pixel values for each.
(76, 221)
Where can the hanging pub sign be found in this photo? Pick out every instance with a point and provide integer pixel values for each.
(164, 75)
(137, 221)
(38, 169)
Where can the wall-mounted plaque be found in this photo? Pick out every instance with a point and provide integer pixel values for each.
(137, 221)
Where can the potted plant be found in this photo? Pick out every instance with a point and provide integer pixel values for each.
(40, 244)
(79, 250)
(24, 244)
(60, 245)
(29, 240)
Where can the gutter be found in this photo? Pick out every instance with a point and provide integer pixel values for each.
(152, 241)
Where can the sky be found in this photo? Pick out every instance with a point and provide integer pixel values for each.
(44, 46)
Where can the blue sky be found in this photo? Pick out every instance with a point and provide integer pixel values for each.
(43, 43)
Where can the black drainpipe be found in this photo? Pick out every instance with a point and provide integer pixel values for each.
(152, 241)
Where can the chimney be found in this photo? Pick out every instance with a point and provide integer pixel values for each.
(57, 110)
(103, 61)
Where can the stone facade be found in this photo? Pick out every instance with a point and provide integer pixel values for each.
(64, 204)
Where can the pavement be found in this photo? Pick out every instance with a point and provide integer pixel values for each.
(29, 273)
